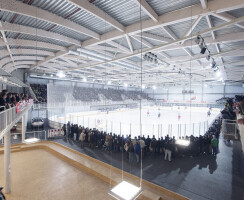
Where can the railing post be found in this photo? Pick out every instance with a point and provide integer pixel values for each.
(199, 128)
(120, 128)
(161, 130)
(23, 128)
(185, 132)
(130, 128)
(158, 130)
(7, 146)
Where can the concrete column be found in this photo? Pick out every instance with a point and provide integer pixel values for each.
(23, 128)
(7, 145)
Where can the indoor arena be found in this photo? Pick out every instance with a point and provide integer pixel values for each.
(122, 99)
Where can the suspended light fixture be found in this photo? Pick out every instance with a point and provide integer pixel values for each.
(109, 82)
(125, 191)
(213, 64)
(125, 85)
(31, 140)
(143, 86)
(84, 79)
(154, 87)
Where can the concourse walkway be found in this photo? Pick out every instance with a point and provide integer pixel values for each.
(45, 165)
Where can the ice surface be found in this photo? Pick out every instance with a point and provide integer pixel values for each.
(127, 121)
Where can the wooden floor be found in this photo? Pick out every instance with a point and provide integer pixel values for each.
(48, 170)
(37, 174)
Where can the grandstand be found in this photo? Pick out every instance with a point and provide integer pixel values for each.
(98, 95)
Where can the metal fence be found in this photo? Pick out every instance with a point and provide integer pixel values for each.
(7, 117)
(41, 135)
(133, 129)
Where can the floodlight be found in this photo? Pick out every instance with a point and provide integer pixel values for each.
(143, 86)
(61, 74)
(125, 84)
(203, 50)
(154, 87)
(216, 69)
(51, 75)
(213, 64)
(125, 191)
(84, 79)
(109, 82)
(208, 57)
(205, 85)
(198, 39)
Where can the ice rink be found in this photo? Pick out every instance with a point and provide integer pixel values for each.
(175, 121)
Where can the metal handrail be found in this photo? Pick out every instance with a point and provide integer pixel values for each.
(9, 118)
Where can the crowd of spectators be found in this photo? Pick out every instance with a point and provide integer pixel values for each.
(86, 94)
(234, 106)
(40, 91)
(239, 108)
(143, 146)
(92, 94)
(8, 100)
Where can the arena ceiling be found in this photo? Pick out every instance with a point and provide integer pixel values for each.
(101, 40)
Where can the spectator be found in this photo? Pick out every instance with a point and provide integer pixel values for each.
(137, 151)
(2, 197)
(214, 143)
(130, 150)
(82, 139)
(168, 151)
(3, 101)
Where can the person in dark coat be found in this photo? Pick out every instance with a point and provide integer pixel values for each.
(2, 197)
(130, 151)
(64, 129)
(68, 130)
(137, 149)
(3, 102)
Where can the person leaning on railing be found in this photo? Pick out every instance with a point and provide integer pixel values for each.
(3, 101)
(239, 101)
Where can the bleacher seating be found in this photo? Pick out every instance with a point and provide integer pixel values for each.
(40, 92)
